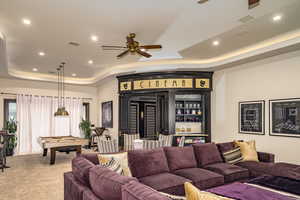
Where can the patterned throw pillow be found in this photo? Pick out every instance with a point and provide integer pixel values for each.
(111, 164)
(120, 157)
(233, 156)
(193, 193)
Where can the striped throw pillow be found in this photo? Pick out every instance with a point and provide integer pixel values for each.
(111, 164)
(233, 156)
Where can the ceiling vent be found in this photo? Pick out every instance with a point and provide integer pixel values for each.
(202, 1)
(74, 44)
(246, 19)
(51, 72)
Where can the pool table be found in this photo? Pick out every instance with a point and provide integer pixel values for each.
(61, 144)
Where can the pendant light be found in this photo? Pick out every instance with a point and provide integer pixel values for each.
(61, 110)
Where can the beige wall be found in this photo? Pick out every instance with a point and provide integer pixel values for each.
(47, 89)
(273, 78)
(108, 91)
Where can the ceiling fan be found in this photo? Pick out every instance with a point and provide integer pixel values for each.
(133, 46)
(251, 3)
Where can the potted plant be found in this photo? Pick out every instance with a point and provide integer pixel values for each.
(11, 127)
(85, 126)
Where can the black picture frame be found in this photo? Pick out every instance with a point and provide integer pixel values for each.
(107, 114)
(284, 117)
(252, 117)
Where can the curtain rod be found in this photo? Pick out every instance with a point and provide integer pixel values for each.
(2, 93)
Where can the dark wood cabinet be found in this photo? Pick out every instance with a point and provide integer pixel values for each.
(175, 103)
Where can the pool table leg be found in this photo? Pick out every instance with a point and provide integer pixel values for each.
(45, 152)
(52, 156)
(78, 150)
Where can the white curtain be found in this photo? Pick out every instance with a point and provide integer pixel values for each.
(35, 116)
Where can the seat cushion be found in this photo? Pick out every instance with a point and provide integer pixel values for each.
(180, 157)
(207, 154)
(138, 191)
(166, 182)
(286, 170)
(201, 178)
(107, 184)
(147, 162)
(230, 172)
(81, 168)
(256, 168)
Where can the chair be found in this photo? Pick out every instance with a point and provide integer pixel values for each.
(181, 141)
(128, 141)
(152, 144)
(97, 132)
(107, 146)
(3, 150)
(167, 138)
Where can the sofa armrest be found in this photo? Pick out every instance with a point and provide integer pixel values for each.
(266, 157)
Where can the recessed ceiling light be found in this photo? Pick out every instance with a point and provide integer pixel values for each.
(26, 21)
(74, 74)
(277, 18)
(42, 53)
(90, 62)
(94, 38)
(35, 69)
(216, 43)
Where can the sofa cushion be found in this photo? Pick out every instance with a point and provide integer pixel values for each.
(230, 172)
(166, 182)
(81, 168)
(286, 170)
(107, 184)
(207, 154)
(201, 178)
(256, 168)
(137, 191)
(233, 156)
(147, 162)
(180, 157)
(93, 157)
(226, 146)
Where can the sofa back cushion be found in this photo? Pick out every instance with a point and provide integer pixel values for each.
(180, 157)
(92, 157)
(81, 168)
(107, 184)
(207, 154)
(147, 162)
(137, 191)
(226, 146)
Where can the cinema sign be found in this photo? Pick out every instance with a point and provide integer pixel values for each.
(169, 83)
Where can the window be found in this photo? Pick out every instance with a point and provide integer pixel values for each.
(86, 111)
(10, 110)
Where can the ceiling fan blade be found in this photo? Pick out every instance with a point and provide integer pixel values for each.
(151, 47)
(145, 54)
(253, 3)
(113, 47)
(123, 54)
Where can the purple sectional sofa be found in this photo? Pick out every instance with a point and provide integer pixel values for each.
(163, 169)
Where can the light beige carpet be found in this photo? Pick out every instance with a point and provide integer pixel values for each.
(32, 178)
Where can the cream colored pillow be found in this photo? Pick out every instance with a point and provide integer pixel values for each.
(122, 158)
(193, 193)
(248, 150)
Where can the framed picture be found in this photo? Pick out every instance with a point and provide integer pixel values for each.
(107, 114)
(252, 117)
(285, 117)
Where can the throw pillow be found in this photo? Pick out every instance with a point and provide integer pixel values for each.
(233, 156)
(193, 193)
(248, 150)
(122, 158)
(173, 197)
(111, 164)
